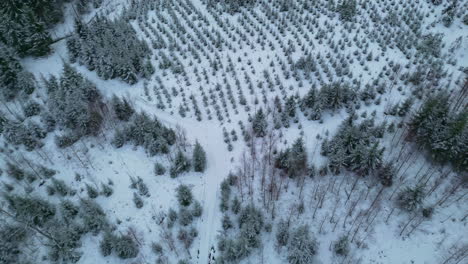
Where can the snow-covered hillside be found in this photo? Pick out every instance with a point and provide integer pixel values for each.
(234, 131)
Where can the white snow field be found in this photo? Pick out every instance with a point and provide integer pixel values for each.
(223, 68)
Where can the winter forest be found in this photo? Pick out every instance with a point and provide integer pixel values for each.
(234, 131)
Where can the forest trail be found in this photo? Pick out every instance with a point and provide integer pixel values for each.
(210, 136)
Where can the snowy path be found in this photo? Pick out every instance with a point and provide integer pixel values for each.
(210, 136)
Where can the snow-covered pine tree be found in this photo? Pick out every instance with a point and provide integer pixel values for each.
(302, 247)
(282, 233)
(199, 158)
(184, 195)
(259, 124)
(122, 108)
(23, 25)
(13, 78)
(74, 103)
(180, 164)
(107, 59)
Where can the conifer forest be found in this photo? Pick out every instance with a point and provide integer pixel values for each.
(233, 131)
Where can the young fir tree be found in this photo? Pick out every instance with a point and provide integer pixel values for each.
(184, 195)
(199, 158)
(122, 108)
(259, 124)
(282, 233)
(302, 247)
(180, 164)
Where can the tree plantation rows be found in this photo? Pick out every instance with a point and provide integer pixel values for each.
(233, 131)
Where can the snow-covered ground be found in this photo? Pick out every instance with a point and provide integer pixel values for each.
(259, 42)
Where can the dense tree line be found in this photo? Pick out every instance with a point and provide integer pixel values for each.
(59, 227)
(75, 104)
(83, 6)
(24, 24)
(251, 224)
(293, 160)
(442, 131)
(331, 96)
(355, 147)
(147, 132)
(28, 133)
(347, 9)
(111, 48)
(232, 6)
(14, 80)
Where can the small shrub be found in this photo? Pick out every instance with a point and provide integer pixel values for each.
(185, 216)
(92, 191)
(157, 248)
(106, 190)
(107, 244)
(410, 198)
(282, 233)
(341, 247)
(226, 223)
(137, 200)
(197, 209)
(427, 212)
(159, 169)
(125, 247)
(184, 195)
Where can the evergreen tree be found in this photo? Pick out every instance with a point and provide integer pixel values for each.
(250, 223)
(259, 124)
(122, 108)
(13, 236)
(341, 247)
(159, 169)
(282, 233)
(92, 191)
(347, 9)
(236, 205)
(23, 25)
(31, 210)
(137, 200)
(184, 195)
(386, 173)
(181, 164)
(410, 198)
(151, 134)
(293, 160)
(74, 103)
(199, 158)
(93, 216)
(197, 209)
(125, 247)
(290, 106)
(310, 99)
(13, 78)
(354, 147)
(225, 195)
(442, 131)
(302, 247)
(107, 58)
(226, 222)
(185, 216)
